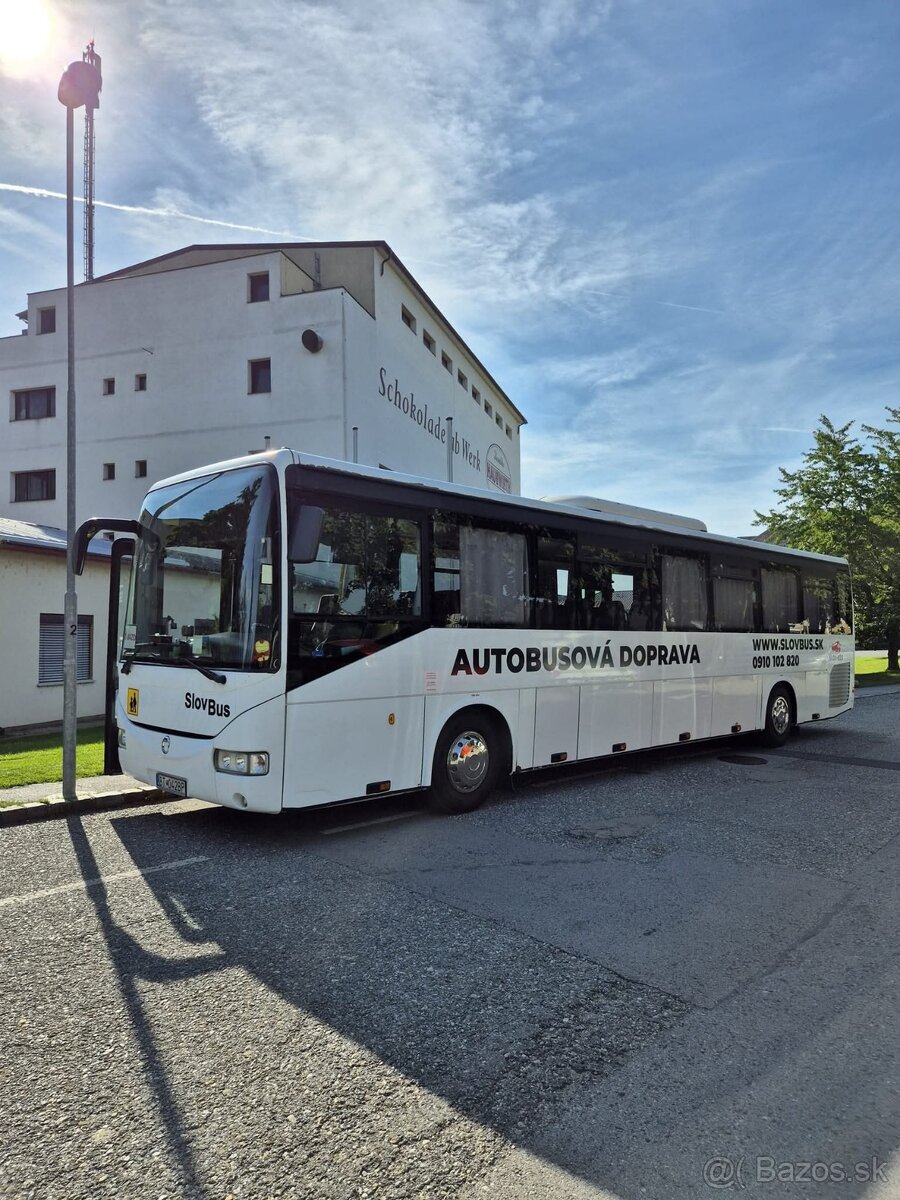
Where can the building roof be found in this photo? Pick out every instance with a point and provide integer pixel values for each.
(24, 535)
(202, 253)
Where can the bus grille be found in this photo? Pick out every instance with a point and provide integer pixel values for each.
(839, 685)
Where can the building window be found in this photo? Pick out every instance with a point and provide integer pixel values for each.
(51, 649)
(140, 468)
(260, 375)
(408, 319)
(461, 380)
(429, 341)
(109, 387)
(488, 408)
(508, 432)
(109, 470)
(498, 420)
(34, 403)
(140, 383)
(476, 395)
(46, 320)
(446, 361)
(34, 485)
(257, 287)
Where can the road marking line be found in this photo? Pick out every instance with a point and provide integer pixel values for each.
(374, 821)
(83, 884)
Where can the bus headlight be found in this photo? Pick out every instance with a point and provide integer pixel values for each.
(241, 762)
(120, 737)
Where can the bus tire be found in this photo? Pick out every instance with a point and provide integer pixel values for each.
(779, 716)
(467, 761)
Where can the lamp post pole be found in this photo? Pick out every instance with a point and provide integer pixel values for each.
(80, 85)
(70, 641)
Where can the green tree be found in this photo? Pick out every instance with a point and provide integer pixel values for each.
(845, 500)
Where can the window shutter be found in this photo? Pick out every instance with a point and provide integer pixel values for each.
(83, 650)
(51, 649)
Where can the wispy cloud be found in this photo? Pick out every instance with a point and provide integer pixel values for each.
(142, 210)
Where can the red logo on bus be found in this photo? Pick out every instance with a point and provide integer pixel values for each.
(835, 647)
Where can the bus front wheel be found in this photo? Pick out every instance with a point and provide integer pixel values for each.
(779, 716)
(466, 764)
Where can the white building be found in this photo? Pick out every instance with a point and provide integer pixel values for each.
(202, 354)
(32, 586)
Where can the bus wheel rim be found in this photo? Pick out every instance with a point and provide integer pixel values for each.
(781, 714)
(468, 760)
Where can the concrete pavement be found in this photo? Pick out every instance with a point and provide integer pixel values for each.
(623, 984)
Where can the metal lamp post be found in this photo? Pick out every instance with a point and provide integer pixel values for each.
(80, 85)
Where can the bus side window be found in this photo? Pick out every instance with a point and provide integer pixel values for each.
(555, 602)
(818, 602)
(734, 605)
(480, 574)
(780, 600)
(493, 576)
(685, 595)
(644, 611)
(445, 605)
(843, 612)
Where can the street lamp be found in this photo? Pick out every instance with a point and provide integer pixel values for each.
(80, 85)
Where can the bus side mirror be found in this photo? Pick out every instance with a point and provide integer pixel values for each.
(90, 529)
(304, 531)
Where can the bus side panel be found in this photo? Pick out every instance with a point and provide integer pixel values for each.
(334, 750)
(736, 701)
(523, 739)
(681, 706)
(556, 724)
(613, 713)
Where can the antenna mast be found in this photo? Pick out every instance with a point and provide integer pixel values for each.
(89, 56)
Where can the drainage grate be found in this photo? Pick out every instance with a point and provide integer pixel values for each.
(743, 760)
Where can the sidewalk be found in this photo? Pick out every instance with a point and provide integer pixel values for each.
(40, 801)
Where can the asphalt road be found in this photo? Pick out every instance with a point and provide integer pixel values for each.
(647, 982)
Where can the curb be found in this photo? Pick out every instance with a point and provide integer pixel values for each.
(49, 810)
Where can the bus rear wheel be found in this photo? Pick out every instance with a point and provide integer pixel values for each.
(466, 765)
(779, 716)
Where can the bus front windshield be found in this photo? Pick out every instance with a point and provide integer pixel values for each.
(205, 581)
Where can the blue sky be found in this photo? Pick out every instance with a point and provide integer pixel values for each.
(670, 230)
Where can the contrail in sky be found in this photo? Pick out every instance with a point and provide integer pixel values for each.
(150, 212)
(717, 312)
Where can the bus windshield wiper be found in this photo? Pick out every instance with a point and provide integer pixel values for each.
(184, 661)
(179, 660)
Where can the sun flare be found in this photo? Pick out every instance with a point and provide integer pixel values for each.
(25, 27)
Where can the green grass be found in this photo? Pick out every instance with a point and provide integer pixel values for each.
(39, 759)
(873, 672)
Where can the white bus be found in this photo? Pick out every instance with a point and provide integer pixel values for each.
(304, 632)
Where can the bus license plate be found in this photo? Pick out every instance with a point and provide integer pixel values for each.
(173, 784)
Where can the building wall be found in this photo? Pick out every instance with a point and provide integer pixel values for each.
(191, 331)
(402, 394)
(32, 583)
